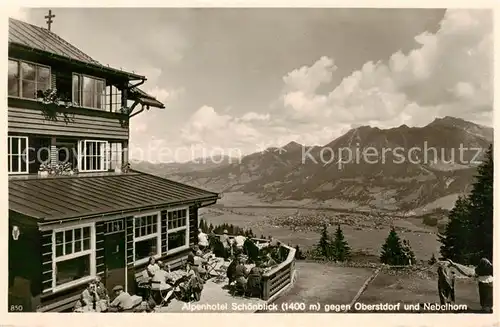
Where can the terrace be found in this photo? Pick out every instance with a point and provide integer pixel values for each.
(217, 296)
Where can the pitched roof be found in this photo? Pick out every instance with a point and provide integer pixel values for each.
(38, 38)
(60, 198)
(145, 98)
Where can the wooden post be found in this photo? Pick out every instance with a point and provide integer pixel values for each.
(265, 287)
(124, 95)
(125, 158)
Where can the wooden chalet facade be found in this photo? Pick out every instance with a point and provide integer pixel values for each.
(93, 216)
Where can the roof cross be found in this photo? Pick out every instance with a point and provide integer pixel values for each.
(49, 19)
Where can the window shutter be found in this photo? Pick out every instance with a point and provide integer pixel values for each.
(107, 154)
(53, 155)
(80, 155)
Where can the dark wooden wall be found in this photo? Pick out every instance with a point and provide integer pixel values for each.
(31, 257)
(99, 255)
(32, 121)
(193, 225)
(66, 298)
(24, 261)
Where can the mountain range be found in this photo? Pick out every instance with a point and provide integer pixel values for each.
(400, 168)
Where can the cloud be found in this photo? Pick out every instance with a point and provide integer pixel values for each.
(164, 95)
(253, 116)
(308, 79)
(449, 72)
(206, 126)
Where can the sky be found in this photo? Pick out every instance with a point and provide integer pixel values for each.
(236, 81)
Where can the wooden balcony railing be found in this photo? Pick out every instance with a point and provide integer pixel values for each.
(281, 275)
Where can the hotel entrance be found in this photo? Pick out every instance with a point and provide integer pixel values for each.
(114, 254)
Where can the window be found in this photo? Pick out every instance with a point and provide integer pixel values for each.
(93, 155)
(25, 79)
(177, 230)
(89, 92)
(73, 256)
(115, 159)
(17, 154)
(146, 237)
(113, 98)
(115, 226)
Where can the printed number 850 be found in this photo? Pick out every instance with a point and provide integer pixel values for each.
(16, 308)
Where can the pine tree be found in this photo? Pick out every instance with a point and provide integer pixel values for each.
(324, 246)
(392, 250)
(457, 233)
(469, 233)
(211, 228)
(340, 249)
(481, 209)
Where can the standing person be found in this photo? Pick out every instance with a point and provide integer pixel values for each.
(483, 273)
(446, 283)
(202, 240)
(239, 241)
(406, 253)
(224, 239)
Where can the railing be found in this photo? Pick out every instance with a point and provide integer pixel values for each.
(280, 276)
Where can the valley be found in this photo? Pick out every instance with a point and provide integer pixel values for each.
(287, 193)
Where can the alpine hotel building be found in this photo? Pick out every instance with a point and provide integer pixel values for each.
(91, 215)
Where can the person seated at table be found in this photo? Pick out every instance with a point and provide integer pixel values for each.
(89, 298)
(254, 282)
(231, 269)
(202, 240)
(169, 276)
(161, 276)
(122, 302)
(191, 284)
(269, 261)
(101, 289)
(152, 267)
(240, 275)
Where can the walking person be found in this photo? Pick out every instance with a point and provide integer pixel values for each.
(483, 273)
(446, 283)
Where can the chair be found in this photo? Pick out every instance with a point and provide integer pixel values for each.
(221, 272)
(143, 282)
